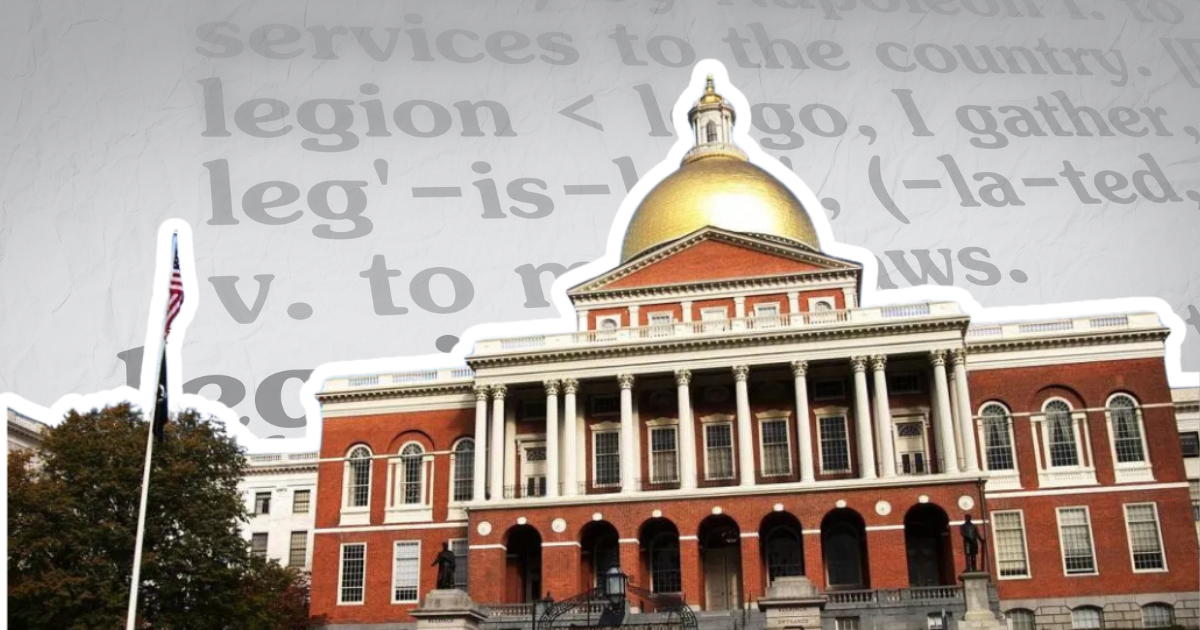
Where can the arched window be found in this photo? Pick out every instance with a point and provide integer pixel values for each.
(411, 465)
(711, 131)
(997, 437)
(1087, 618)
(785, 557)
(358, 477)
(1158, 616)
(463, 483)
(665, 575)
(1020, 619)
(1126, 429)
(1060, 428)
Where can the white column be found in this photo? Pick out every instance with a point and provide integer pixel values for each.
(629, 467)
(970, 454)
(551, 438)
(941, 400)
(633, 316)
(739, 307)
(793, 302)
(686, 308)
(570, 431)
(745, 434)
(583, 321)
(803, 432)
(848, 298)
(883, 417)
(497, 450)
(862, 419)
(479, 488)
(687, 431)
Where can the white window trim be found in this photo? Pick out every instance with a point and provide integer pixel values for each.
(723, 310)
(342, 573)
(1079, 431)
(395, 552)
(711, 422)
(296, 491)
(899, 418)
(1062, 548)
(454, 470)
(833, 412)
(777, 305)
(1162, 545)
(1012, 437)
(396, 479)
(661, 424)
(787, 433)
(814, 301)
(651, 314)
(361, 514)
(1142, 471)
(1024, 546)
(450, 545)
(596, 431)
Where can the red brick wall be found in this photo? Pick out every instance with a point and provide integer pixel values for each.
(712, 260)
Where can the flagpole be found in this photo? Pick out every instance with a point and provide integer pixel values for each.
(135, 579)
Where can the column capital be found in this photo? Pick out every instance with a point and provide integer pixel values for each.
(739, 299)
(858, 364)
(799, 368)
(958, 356)
(937, 358)
(683, 377)
(570, 386)
(878, 362)
(499, 391)
(625, 381)
(481, 392)
(741, 373)
(551, 387)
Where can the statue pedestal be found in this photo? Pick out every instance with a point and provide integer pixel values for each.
(793, 603)
(979, 615)
(448, 609)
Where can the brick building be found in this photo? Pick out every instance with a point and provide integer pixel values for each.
(728, 414)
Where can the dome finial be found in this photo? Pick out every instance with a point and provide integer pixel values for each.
(712, 121)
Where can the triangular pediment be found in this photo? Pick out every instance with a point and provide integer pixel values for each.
(714, 255)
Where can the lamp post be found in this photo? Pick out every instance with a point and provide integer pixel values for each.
(540, 606)
(614, 586)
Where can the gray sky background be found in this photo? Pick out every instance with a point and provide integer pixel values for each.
(105, 133)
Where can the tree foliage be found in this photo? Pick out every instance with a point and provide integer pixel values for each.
(72, 518)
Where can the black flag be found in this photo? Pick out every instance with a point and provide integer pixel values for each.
(160, 401)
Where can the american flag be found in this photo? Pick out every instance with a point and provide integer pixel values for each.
(175, 299)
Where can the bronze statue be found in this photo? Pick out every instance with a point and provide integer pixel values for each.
(971, 542)
(445, 563)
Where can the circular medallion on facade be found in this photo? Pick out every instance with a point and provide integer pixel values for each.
(883, 508)
(558, 525)
(656, 514)
(597, 516)
(841, 503)
(924, 498)
(717, 509)
(965, 502)
(521, 520)
(484, 528)
(778, 507)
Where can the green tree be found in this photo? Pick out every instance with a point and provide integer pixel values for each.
(72, 518)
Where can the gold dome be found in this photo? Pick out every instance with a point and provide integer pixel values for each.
(721, 191)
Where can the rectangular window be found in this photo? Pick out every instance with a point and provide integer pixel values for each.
(718, 448)
(776, 451)
(770, 309)
(1075, 534)
(1127, 439)
(459, 547)
(464, 471)
(660, 319)
(846, 623)
(1145, 544)
(353, 573)
(835, 444)
(829, 389)
(300, 501)
(531, 409)
(406, 573)
(298, 549)
(258, 545)
(607, 465)
(1194, 490)
(262, 503)
(1012, 559)
(1190, 444)
(998, 441)
(904, 384)
(1062, 439)
(605, 405)
(664, 455)
(714, 318)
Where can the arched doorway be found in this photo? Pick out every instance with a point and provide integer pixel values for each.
(844, 547)
(782, 545)
(599, 551)
(659, 540)
(721, 557)
(927, 545)
(523, 564)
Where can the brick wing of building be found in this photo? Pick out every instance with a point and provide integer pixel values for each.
(728, 414)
